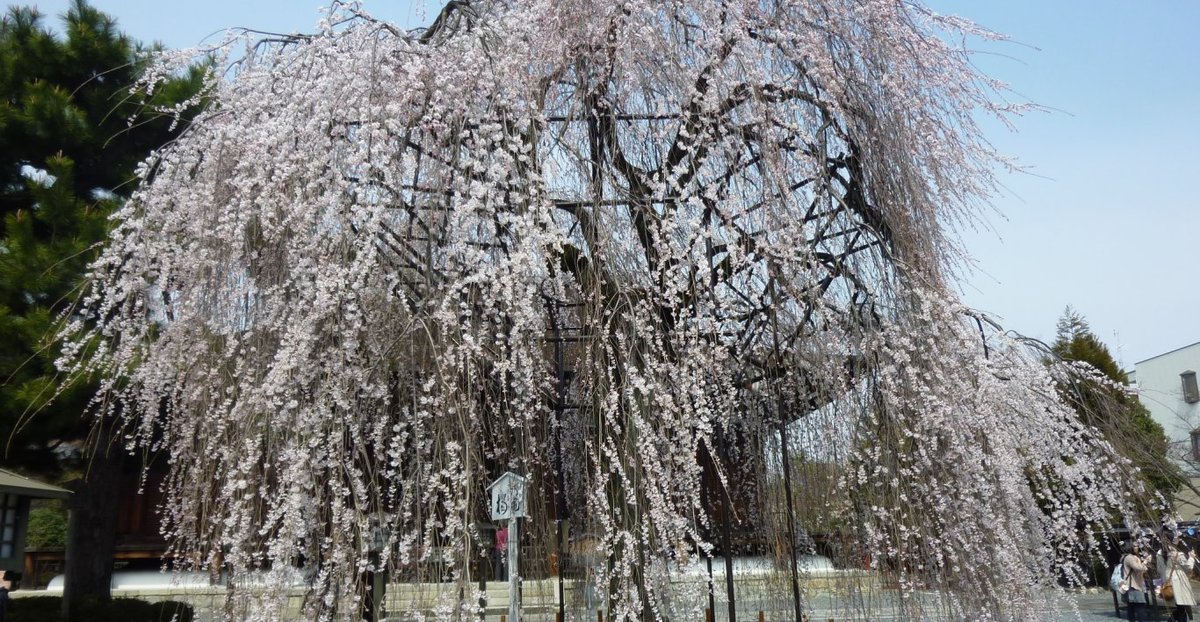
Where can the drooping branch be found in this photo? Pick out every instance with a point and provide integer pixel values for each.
(635, 251)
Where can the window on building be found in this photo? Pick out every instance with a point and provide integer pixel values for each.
(1191, 393)
(8, 525)
(1196, 444)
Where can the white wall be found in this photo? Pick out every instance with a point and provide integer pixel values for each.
(1160, 390)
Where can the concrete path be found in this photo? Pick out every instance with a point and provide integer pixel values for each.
(1091, 607)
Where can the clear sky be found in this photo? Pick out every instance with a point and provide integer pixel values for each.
(1108, 219)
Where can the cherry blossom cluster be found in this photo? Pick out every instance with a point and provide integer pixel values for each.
(634, 250)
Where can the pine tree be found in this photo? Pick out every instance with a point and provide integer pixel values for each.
(71, 134)
(1125, 422)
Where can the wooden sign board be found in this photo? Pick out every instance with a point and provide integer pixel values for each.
(508, 497)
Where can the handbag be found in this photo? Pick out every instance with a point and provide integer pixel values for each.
(1168, 591)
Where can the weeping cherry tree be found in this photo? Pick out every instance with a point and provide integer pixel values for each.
(651, 255)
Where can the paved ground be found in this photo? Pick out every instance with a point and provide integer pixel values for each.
(1087, 607)
(1093, 607)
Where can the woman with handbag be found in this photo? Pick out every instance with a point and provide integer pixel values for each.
(1135, 574)
(1173, 566)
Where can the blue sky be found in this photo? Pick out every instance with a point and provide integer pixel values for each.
(1109, 224)
(1107, 221)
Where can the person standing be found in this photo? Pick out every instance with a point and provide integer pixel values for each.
(1135, 570)
(502, 553)
(1173, 566)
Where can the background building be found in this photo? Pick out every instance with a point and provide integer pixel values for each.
(1167, 387)
(16, 492)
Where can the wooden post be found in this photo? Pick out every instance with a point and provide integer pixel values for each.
(508, 503)
(761, 616)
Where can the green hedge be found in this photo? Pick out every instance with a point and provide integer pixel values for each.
(48, 609)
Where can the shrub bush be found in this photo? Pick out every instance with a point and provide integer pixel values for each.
(48, 609)
(47, 528)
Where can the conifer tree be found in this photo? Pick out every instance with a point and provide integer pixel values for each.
(1104, 404)
(71, 135)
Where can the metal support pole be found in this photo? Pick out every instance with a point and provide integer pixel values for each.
(561, 602)
(379, 593)
(727, 544)
(560, 510)
(791, 511)
(712, 607)
(483, 568)
(514, 584)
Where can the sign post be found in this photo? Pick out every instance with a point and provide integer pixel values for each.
(379, 533)
(508, 504)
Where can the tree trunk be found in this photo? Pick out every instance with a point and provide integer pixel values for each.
(91, 530)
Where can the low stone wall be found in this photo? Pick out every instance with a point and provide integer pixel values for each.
(767, 592)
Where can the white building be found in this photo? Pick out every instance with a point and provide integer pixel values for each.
(1167, 387)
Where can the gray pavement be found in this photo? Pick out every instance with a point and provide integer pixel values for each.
(1087, 607)
(1084, 607)
(1099, 606)
(1092, 607)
